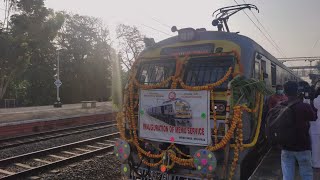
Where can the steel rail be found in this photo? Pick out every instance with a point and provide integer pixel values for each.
(58, 149)
(36, 137)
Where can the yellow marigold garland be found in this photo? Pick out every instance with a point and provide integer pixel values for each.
(180, 161)
(238, 139)
(208, 86)
(172, 162)
(174, 83)
(180, 152)
(149, 164)
(229, 133)
(236, 122)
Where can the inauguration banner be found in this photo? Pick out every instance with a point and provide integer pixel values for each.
(179, 116)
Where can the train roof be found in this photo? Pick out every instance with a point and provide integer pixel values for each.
(248, 46)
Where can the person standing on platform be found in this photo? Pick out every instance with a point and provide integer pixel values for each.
(315, 133)
(300, 150)
(277, 98)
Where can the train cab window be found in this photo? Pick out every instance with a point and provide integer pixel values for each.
(153, 72)
(206, 70)
(273, 74)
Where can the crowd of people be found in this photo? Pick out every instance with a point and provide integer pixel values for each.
(305, 148)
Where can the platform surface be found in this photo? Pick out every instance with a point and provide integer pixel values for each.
(270, 168)
(10, 115)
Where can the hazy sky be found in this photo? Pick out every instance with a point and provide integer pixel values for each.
(293, 24)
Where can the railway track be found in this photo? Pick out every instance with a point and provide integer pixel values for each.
(29, 164)
(36, 137)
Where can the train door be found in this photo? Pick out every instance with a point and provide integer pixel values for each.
(262, 68)
(273, 75)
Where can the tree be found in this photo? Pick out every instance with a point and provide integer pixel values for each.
(14, 57)
(37, 26)
(8, 5)
(85, 59)
(28, 52)
(130, 44)
(29, 35)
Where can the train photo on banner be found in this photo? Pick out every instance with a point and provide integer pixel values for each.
(181, 117)
(173, 112)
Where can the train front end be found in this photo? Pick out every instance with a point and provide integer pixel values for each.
(179, 119)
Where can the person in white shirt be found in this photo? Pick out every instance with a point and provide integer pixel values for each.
(315, 134)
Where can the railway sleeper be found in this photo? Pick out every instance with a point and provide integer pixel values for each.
(23, 165)
(58, 157)
(42, 161)
(6, 172)
(71, 153)
(95, 147)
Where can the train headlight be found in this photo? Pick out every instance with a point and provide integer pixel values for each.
(220, 107)
(187, 34)
(121, 150)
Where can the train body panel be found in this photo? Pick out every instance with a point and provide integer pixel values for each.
(210, 54)
(246, 47)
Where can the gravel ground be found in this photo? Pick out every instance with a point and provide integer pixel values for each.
(105, 167)
(5, 153)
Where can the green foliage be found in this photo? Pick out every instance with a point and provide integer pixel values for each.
(18, 89)
(244, 90)
(29, 43)
(14, 58)
(84, 59)
(28, 56)
(28, 52)
(39, 26)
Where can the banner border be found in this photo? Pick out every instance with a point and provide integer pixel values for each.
(176, 141)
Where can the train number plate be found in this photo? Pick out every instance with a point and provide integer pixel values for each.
(151, 175)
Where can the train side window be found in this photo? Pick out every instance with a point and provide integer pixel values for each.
(264, 66)
(257, 69)
(273, 74)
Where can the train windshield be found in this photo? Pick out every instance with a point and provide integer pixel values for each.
(185, 108)
(153, 72)
(206, 70)
(182, 106)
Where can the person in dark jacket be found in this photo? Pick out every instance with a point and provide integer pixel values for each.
(301, 150)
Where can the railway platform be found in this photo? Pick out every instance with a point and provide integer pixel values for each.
(270, 168)
(10, 115)
(27, 120)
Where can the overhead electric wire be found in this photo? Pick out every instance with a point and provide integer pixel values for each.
(315, 44)
(277, 49)
(163, 24)
(158, 21)
(156, 30)
(264, 28)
